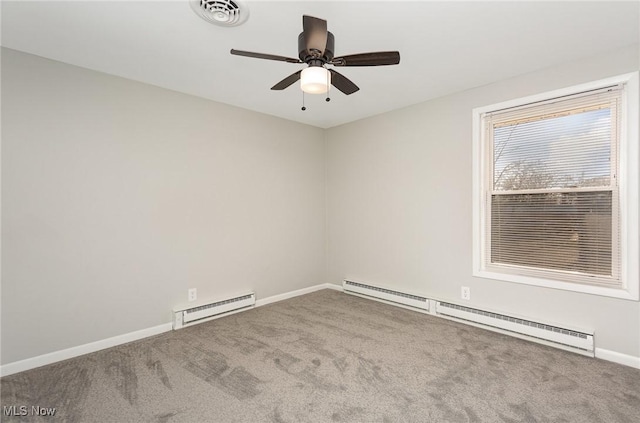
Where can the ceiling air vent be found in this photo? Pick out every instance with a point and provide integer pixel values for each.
(221, 12)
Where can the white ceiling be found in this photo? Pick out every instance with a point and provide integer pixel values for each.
(445, 47)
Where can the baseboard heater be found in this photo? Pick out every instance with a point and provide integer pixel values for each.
(386, 295)
(578, 341)
(191, 315)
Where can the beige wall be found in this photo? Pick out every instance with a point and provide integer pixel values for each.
(117, 197)
(400, 212)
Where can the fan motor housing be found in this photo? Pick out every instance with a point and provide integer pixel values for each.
(306, 55)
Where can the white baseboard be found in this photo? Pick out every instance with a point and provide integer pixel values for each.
(54, 357)
(334, 287)
(616, 357)
(296, 293)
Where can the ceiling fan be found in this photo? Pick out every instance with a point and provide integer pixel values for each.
(316, 48)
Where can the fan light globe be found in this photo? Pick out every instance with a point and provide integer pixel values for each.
(315, 80)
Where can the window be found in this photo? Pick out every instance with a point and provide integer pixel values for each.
(556, 189)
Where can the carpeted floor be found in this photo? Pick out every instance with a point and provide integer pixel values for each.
(329, 357)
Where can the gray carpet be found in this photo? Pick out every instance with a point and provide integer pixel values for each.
(329, 357)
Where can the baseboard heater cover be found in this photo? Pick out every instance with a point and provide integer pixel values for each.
(581, 342)
(387, 295)
(191, 315)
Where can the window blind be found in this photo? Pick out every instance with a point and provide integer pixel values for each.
(552, 197)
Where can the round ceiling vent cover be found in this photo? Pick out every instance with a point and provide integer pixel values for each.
(221, 12)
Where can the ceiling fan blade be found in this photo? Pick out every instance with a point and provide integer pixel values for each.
(342, 83)
(315, 35)
(264, 56)
(379, 58)
(287, 81)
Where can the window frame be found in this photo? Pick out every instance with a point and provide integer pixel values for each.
(628, 150)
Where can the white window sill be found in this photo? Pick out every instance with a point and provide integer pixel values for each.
(622, 293)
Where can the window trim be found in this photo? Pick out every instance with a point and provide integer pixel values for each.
(627, 180)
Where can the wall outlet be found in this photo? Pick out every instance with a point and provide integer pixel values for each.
(465, 293)
(193, 294)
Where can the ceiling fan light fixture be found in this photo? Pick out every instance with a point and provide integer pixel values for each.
(315, 48)
(315, 80)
